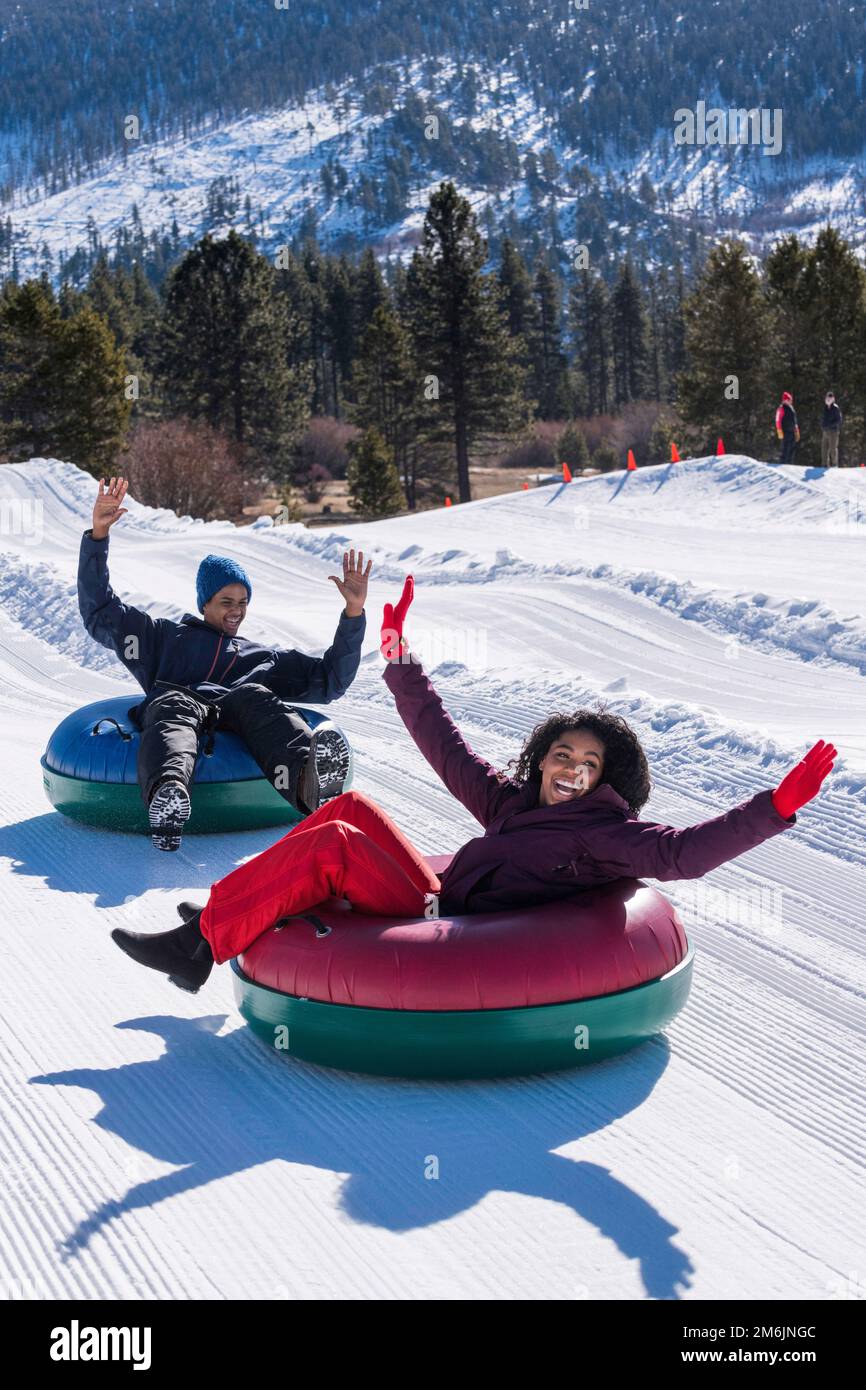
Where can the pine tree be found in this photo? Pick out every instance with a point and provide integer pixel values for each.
(386, 389)
(787, 295)
(370, 290)
(835, 288)
(572, 448)
(518, 300)
(550, 369)
(663, 434)
(225, 350)
(460, 335)
(131, 308)
(374, 484)
(94, 412)
(61, 380)
(670, 301)
(30, 326)
(294, 288)
(520, 307)
(606, 458)
(590, 317)
(105, 296)
(628, 331)
(656, 374)
(339, 327)
(315, 323)
(723, 390)
(69, 300)
(397, 281)
(142, 352)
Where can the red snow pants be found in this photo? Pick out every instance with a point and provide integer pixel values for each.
(349, 848)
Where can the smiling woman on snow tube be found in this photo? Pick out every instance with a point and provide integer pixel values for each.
(566, 821)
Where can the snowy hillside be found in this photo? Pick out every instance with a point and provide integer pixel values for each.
(152, 1148)
(277, 158)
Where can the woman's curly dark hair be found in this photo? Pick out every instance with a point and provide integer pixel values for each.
(625, 765)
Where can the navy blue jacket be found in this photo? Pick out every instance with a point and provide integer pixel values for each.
(191, 653)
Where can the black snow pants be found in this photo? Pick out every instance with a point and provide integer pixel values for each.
(789, 444)
(173, 721)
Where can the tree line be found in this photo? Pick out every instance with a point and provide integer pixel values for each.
(446, 361)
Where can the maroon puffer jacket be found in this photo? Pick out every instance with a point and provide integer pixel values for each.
(531, 854)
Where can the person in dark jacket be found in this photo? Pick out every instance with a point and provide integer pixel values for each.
(198, 675)
(831, 424)
(787, 428)
(566, 820)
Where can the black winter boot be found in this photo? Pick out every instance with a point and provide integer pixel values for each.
(325, 771)
(183, 953)
(168, 813)
(187, 910)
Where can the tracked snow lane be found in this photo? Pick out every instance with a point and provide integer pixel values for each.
(152, 1148)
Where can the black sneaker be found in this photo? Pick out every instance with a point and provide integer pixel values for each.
(326, 769)
(168, 814)
(183, 953)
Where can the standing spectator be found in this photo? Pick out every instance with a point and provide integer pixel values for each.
(787, 428)
(830, 427)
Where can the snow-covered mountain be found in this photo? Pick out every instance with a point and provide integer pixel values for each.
(356, 159)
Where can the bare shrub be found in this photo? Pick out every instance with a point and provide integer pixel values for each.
(535, 453)
(633, 429)
(597, 430)
(187, 466)
(323, 444)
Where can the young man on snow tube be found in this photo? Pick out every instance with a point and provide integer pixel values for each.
(198, 674)
(566, 820)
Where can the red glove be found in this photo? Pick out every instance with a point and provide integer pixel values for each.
(804, 781)
(392, 622)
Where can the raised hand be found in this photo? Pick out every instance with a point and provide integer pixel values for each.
(353, 585)
(804, 781)
(107, 508)
(392, 622)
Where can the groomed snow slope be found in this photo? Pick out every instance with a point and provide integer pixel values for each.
(152, 1148)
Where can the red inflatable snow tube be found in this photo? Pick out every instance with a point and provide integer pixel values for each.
(600, 942)
(615, 959)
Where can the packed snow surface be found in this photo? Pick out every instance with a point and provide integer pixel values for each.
(152, 1148)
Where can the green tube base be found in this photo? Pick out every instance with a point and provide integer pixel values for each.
(456, 1043)
(251, 804)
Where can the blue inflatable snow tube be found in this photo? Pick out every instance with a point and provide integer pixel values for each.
(89, 774)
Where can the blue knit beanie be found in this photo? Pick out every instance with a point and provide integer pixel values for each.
(214, 573)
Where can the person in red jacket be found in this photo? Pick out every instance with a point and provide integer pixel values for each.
(787, 428)
(566, 820)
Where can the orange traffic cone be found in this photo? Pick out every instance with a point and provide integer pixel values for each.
(720, 448)
(566, 472)
(675, 454)
(631, 463)
(447, 501)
